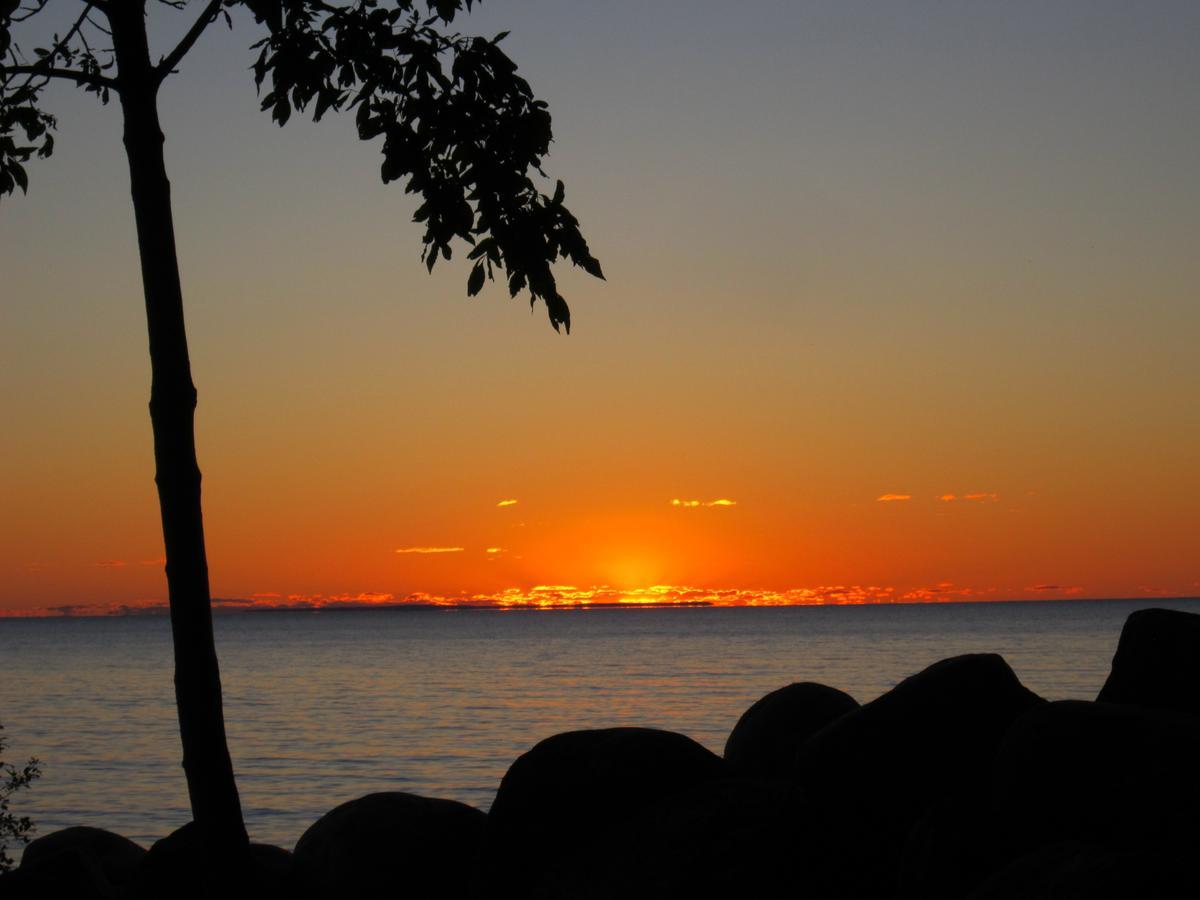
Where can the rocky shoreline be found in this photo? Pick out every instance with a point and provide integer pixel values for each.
(957, 783)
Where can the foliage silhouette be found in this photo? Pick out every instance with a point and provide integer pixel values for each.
(13, 827)
(459, 127)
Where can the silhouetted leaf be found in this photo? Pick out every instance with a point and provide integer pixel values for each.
(475, 282)
(17, 171)
(591, 265)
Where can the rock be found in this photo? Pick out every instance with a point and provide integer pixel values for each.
(733, 837)
(391, 844)
(767, 737)
(80, 862)
(1074, 871)
(573, 793)
(71, 875)
(880, 768)
(1157, 663)
(178, 867)
(953, 848)
(92, 861)
(1101, 773)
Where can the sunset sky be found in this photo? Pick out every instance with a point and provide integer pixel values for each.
(901, 304)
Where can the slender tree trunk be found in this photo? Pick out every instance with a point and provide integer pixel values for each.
(211, 788)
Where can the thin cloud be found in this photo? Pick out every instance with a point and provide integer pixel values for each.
(495, 550)
(947, 498)
(1153, 591)
(1055, 588)
(695, 504)
(988, 496)
(507, 503)
(429, 549)
(272, 600)
(892, 498)
(111, 564)
(947, 591)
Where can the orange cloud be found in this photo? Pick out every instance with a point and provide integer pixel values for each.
(947, 497)
(694, 504)
(272, 600)
(1055, 588)
(892, 498)
(982, 495)
(429, 550)
(946, 591)
(111, 564)
(507, 503)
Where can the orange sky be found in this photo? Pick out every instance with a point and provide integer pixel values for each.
(927, 321)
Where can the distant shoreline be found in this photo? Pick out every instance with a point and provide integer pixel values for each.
(237, 607)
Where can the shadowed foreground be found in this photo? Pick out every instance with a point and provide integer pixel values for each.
(957, 783)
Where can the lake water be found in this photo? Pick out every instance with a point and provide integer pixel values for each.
(326, 706)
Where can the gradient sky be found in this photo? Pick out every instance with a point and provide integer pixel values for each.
(854, 251)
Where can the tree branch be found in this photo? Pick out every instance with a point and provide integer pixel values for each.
(65, 74)
(171, 60)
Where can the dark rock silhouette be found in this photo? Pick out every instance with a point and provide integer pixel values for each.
(1077, 871)
(117, 856)
(179, 866)
(954, 847)
(767, 737)
(877, 770)
(576, 791)
(391, 844)
(1157, 662)
(733, 837)
(1102, 773)
(78, 862)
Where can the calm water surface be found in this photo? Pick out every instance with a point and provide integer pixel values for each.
(326, 706)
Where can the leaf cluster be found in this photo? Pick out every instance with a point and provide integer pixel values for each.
(25, 128)
(456, 123)
(459, 127)
(13, 827)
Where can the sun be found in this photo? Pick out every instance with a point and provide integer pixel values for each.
(634, 571)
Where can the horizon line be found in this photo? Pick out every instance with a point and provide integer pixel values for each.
(223, 606)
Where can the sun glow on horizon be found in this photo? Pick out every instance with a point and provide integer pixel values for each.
(567, 596)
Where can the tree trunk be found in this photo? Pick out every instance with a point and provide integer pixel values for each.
(211, 788)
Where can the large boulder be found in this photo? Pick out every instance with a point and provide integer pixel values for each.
(953, 848)
(879, 769)
(79, 862)
(390, 844)
(180, 867)
(733, 837)
(566, 802)
(767, 737)
(1157, 663)
(1076, 871)
(1101, 773)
